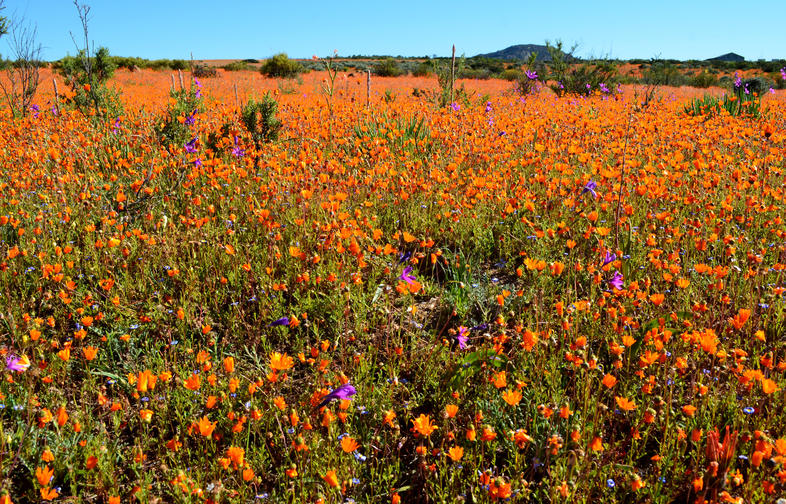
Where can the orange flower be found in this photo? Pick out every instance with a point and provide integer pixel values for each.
(236, 455)
(49, 493)
(44, 475)
(331, 479)
(280, 362)
(229, 364)
(193, 382)
(609, 381)
(512, 397)
(596, 444)
(451, 410)
(90, 352)
(205, 426)
(455, 453)
(423, 425)
(625, 404)
(348, 444)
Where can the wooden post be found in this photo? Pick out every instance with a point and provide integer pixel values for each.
(237, 100)
(173, 82)
(57, 97)
(368, 88)
(180, 76)
(452, 73)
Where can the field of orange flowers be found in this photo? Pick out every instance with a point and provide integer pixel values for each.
(523, 299)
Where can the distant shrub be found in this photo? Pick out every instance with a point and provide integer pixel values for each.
(423, 69)
(511, 74)
(259, 119)
(664, 73)
(758, 85)
(704, 80)
(388, 67)
(201, 71)
(579, 79)
(474, 73)
(281, 66)
(236, 66)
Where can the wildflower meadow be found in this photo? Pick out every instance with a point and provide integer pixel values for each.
(336, 289)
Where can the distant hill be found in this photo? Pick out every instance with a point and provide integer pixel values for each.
(519, 53)
(732, 57)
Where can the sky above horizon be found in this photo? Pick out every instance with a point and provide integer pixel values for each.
(175, 29)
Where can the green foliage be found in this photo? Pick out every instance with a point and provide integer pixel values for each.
(388, 67)
(281, 66)
(424, 69)
(704, 80)
(663, 73)
(236, 66)
(740, 103)
(403, 134)
(201, 70)
(578, 79)
(87, 76)
(259, 119)
(447, 90)
(183, 107)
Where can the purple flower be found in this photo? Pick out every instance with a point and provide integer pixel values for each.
(783, 73)
(191, 145)
(283, 321)
(480, 327)
(18, 364)
(488, 107)
(198, 93)
(406, 275)
(343, 393)
(588, 86)
(603, 88)
(402, 258)
(116, 125)
(198, 162)
(737, 80)
(34, 108)
(610, 258)
(616, 281)
(236, 150)
(531, 75)
(455, 106)
(462, 337)
(190, 119)
(590, 188)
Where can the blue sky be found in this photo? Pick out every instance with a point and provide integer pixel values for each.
(686, 29)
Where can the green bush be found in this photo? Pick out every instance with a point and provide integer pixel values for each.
(281, 66)
(87, 76)
(388, 67)
(704, 80)
(236, 66)
(423, 69)
(579, 79)
(664, 73)
(259, 119)
(178, 123)
(200, 70)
